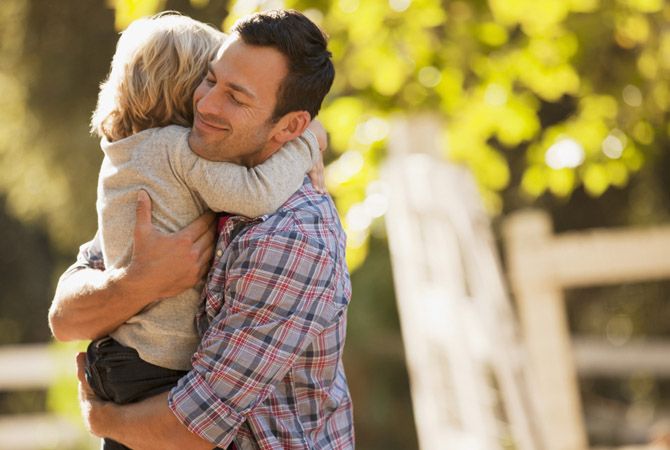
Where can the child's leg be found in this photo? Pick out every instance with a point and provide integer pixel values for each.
(116, 373)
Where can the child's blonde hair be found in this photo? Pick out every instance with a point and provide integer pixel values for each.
(159, 61)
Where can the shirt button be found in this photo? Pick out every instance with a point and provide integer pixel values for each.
(219, 252)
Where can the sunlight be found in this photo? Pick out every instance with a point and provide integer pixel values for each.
(565, 153)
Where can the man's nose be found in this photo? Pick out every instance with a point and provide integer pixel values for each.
(207, 104)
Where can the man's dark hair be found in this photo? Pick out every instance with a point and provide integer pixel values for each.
(310, 69)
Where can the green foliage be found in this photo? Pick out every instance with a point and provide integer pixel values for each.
(492, 71)
(129, 10)
(43, 129)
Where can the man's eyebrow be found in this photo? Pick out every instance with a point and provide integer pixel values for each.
(242, 89)
(233, 86)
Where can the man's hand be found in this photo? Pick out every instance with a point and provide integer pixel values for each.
(163, 265)
(91, 303)
(88, 402)
(316, 174)
(145, 425)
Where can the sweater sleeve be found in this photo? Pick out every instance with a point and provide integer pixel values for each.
(259, 190)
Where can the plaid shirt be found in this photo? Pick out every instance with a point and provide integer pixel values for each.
(268, 372)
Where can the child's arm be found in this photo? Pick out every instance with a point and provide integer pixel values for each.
(257, 190)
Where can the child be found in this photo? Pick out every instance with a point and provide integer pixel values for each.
(143, 116)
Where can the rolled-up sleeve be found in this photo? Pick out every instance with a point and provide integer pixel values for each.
(277, 297)
(89, 257)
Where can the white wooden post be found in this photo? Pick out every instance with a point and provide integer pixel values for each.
(441, 375)
(542, 310)
(439, 262)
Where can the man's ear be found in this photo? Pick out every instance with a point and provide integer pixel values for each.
(290, 126)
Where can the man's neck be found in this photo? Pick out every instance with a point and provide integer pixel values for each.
(256, 158)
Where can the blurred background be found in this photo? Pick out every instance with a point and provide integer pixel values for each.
(560, 106)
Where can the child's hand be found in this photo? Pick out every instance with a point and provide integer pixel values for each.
(317, 173)
(320, 132)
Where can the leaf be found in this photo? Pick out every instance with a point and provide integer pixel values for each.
(596, 179)
(130, 10)
(340, 117)
(561, 182)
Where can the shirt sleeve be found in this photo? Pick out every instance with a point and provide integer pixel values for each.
(277, 298)
(89, 257)
(254, 191)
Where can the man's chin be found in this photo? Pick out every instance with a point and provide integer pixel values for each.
(197, 143)
(194, 138)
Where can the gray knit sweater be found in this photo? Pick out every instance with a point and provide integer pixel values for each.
(182, 186)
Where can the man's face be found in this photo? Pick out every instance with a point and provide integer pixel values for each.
(233, 105)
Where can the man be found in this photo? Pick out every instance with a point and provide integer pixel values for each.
(268, 372)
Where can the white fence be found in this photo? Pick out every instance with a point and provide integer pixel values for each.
(35, 367)
(477, 384)
(541, 266)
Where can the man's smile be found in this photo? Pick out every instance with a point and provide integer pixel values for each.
(203, 125)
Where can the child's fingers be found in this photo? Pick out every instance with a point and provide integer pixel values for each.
(322, 178)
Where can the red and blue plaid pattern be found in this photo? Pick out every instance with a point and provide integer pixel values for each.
(268, 373)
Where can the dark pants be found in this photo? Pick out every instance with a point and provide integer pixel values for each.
(117, 374)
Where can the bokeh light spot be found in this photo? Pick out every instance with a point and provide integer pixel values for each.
(565, 153)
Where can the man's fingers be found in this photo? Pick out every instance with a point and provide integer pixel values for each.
(85, 390)
(205, 240)
(143, 223)
(204, 245)
(142, 210)
(81, 367)
(199, 227)
(204, 262)
(205, 248)
(142, 215)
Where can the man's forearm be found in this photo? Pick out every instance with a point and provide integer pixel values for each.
(91, 303)
(146, 425)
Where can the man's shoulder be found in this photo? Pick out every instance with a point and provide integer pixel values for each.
(306, 215)
(306, 211)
